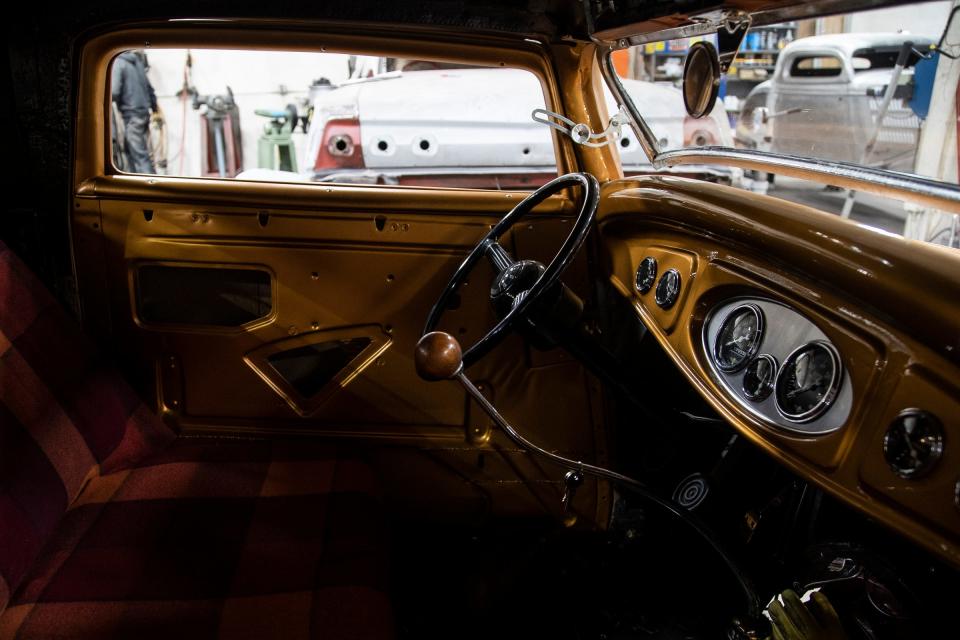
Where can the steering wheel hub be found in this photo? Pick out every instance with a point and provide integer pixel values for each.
(513, 283)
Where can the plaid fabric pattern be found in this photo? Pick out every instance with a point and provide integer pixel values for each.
(215, 539)
(64, 416)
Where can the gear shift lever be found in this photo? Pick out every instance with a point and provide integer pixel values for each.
(438, 356)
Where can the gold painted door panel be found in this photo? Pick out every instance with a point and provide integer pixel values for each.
(355, 262)
(362, 262)
(358, 262)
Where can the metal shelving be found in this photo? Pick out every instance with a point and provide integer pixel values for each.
(754, 63)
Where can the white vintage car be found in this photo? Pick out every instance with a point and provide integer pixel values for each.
(480, 134)
(823, 99)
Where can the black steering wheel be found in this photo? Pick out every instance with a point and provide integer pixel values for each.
(520, 285)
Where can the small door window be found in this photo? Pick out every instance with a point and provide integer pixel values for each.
(816, 66)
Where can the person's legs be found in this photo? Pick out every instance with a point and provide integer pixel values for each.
(138, 150)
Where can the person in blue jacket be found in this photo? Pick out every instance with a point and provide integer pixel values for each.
(136, 100)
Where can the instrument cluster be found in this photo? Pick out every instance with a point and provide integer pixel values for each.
(778, 365)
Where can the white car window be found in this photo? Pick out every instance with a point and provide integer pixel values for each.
(815, 66)
(327, 117)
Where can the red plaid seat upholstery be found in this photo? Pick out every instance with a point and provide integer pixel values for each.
(215, 539)
(111, 528)
(64, 416)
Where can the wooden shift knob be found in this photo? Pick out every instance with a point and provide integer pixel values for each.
(438, 356)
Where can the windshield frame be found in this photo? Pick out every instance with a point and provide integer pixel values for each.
(893, 184)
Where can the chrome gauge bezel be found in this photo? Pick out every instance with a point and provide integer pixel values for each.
(754, 348)
(832, 391)
(651, 263)
(936, 451)
(785, 329)
(770, 386)
(660, 297)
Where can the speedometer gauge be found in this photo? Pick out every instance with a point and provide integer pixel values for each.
(808, 382)
(739, 337)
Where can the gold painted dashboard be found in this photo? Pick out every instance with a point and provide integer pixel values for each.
(890, 306)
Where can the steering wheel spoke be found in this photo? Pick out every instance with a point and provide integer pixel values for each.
(499, 257)
(513, 287)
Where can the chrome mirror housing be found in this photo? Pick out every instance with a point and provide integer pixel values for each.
(701, 79)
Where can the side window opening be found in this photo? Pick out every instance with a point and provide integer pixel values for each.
(866, 59)
(326, 118)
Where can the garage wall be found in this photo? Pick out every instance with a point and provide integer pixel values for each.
(259, 80)
(924, 19)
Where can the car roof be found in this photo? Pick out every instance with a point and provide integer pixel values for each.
(552, 19)
(849, 43)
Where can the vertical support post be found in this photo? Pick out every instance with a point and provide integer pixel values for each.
(905, 50)
(937, 153)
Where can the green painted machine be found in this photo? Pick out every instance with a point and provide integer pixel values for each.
(275, 148)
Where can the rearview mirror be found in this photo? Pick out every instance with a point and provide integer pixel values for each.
(701, 78)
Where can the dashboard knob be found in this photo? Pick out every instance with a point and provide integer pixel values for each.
(913, 443)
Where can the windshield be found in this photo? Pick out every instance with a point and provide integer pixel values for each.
(827, 89)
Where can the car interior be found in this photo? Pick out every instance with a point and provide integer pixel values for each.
(650, 406)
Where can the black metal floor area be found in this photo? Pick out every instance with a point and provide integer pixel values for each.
(648, 579)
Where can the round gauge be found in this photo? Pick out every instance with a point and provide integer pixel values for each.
(808, 382)
(739, 338)
(913, 443)
(759, 376)
(668, 289)
(646, 274)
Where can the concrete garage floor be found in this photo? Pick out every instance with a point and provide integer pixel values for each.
(875, 211)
